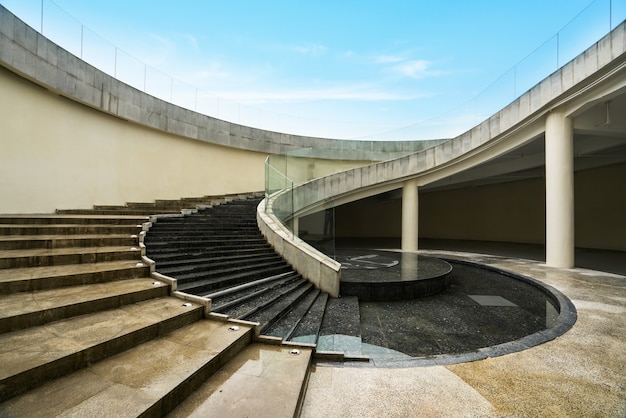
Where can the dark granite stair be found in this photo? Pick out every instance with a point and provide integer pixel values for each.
(219, 253)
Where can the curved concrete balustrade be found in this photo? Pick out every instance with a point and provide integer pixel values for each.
(598, 72)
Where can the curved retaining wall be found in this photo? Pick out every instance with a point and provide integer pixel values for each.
(87, 138)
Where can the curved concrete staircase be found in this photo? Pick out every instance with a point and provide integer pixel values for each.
(87, 330)
(220, 254)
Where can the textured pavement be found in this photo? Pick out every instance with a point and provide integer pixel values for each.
(579, 374)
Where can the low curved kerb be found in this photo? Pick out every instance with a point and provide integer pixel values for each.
(313, 265)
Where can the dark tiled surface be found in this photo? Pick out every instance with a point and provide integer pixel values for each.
(481, 308)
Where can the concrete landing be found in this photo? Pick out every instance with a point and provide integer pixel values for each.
(261, 381)
(579, 374)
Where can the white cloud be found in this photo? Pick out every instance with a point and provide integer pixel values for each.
(414, 69)
(310, 49)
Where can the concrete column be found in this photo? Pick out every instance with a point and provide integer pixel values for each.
(559, 190)
(409, 215)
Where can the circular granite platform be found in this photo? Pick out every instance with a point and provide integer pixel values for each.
(374, 275)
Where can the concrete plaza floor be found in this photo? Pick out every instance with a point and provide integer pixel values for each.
(582, 373)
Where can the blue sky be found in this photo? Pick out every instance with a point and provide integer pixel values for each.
(346, 69)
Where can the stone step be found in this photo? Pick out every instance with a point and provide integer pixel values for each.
(261, 381)
(282, 305)
(63, 256)
(204, 254)
(159, 234)
(147, 380)
(226, 250)
(27, 242)
(29, 309)
(341, 326)
(200, 287)
(52, 277)
(213, 226)
(207, 273)
(71, 219)
(69, 229)
(308, 329)
(199, 242)
(115, 212)
(237, 295)
(250, 307)
(285, 326)
(35, 355)
(235, 259)
(217, 264)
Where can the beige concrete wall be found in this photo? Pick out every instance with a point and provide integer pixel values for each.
(371, 217)
(56, 154)
(600, 208)
(510, 212)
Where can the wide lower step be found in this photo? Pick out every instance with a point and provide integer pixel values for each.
(32, 356)
(69, 229)
(147, 380)
(261, 381)
(52, 277)
(72, 219)
(29, 309)
(10, 259)
(27, 242)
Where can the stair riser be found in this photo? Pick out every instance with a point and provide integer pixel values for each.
(55, 314)
(70, 229)
(46, 283)
(64, 259)
(29, 379)
(114, 212)
(199, 243)
(184, 266)
(184, 257)
(29, 244)
(71, 220)
(211, 271)
(218, 283)
(179, 253)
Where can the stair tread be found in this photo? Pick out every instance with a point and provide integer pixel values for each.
(25, 350)
(261, 381)
(60, 218)
(60, 237)
(137, 380)
(32, 273)
(62, 251)
(24, 303)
